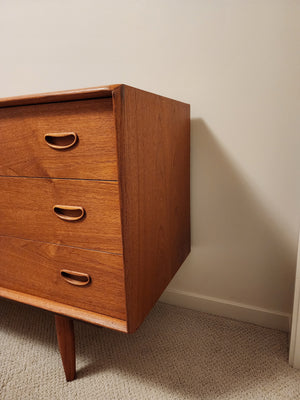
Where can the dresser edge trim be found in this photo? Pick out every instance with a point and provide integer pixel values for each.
(64, 309)
(54, 97)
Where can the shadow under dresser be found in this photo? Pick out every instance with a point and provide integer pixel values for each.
(94, 204)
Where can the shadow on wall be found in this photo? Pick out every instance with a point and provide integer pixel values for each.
(238, 251)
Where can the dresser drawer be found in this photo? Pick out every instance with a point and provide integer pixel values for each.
(89, 124)
(40, 269)
(26, 211)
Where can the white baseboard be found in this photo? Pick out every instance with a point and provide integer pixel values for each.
(229, 309)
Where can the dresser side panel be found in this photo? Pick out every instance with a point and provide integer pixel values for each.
(153, 136)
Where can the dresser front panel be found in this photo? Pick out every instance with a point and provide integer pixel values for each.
(25, 152)
(26, 211)
(35, 268)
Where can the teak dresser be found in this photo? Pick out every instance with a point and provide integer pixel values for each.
(94, 204)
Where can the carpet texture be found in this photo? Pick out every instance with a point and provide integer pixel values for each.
(176, 354)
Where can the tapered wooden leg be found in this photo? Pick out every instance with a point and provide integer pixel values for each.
(66, 344)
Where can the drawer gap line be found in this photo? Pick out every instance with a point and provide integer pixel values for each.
(67, 179)
(63, 245)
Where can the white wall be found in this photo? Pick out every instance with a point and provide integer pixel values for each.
(237, 63)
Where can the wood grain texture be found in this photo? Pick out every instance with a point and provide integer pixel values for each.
(145, 151)
(66, 343)
(153, 137)
(65, 95)
(34, 268)
(26, 211)
(25, 152)
(65, 309)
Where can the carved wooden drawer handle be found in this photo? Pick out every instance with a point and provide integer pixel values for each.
(61, 141)
(69, 213)
(75, 278)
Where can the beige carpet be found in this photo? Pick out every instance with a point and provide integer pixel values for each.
(176, 354)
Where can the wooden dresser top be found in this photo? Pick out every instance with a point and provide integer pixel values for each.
(65, 95)
(68, 95)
